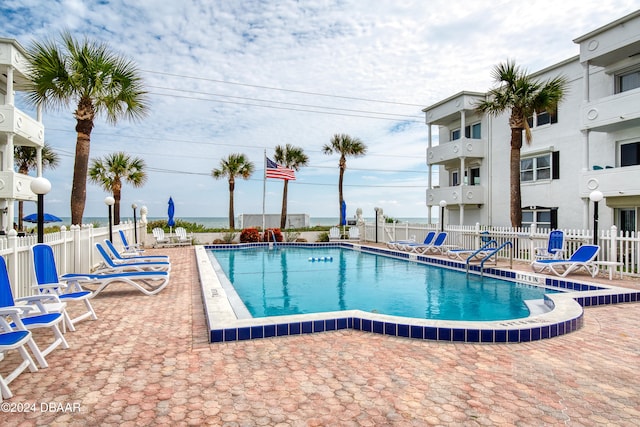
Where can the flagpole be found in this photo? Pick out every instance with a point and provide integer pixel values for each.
(264, 189)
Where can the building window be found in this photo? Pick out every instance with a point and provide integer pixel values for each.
(541, 217)
(543, 118)
(455, 178)
(627, 81)
(473, 131)
(540, 168)
(475, 176)
(630, 154)
(627, 220)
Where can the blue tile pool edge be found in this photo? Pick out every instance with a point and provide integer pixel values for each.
(566, 313)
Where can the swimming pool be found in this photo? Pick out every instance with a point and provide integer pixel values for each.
(298, 280)
(560, 313)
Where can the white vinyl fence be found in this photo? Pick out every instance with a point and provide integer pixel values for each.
(619, 247)
(74, 250)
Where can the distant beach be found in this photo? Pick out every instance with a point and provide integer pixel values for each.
(223, 222)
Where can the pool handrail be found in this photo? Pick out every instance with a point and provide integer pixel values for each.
(507, 243)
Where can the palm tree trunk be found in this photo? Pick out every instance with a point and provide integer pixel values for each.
(343, 166)
(20, 214)
(283, 214)
(117, 195)
(516, 196)
(232, 223)
(80, 169)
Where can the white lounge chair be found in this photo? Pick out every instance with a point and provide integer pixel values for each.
(48, 282)
(129, 249)
(182, 238)
(394, 243)
(161, 239)
(437, 246)
(109, 266)
(14, 339)
(428, 241)
(334, 233)
(583, 257)
(33, 315)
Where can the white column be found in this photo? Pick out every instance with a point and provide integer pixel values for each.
(585, 81)
(463, 123)
(585, 146)
(9, 98)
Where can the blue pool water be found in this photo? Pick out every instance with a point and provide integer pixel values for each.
(290, 281)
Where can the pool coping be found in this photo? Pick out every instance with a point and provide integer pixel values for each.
(565, 315)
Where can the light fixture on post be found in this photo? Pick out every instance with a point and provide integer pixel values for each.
(40, 186)
(595, 196)
(135, 227)
(110, 201)
(443, 204)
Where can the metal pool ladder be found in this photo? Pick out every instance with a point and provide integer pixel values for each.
(273, 236)
(490, 254)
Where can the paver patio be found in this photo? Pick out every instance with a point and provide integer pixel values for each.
(146, 361)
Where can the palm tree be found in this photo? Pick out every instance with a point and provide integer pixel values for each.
(94, 79)
(346, 146)
(25, 159)
(292, 158)
(110, 172)
(523, 96)
(231, 167)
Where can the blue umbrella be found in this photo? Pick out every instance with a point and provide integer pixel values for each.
(170, 213)
(343, 213)
(47, 218)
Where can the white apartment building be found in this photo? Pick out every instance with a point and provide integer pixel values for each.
(591, 143)
(16, 129)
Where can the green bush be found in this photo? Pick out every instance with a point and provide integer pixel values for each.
(323, 237)
(250, 235)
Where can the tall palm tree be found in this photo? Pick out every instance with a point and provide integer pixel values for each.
(94, 79)
(292, 158)
(231, 167)
(345, 146)
(25, 159)
(110, 172)
(523, 96)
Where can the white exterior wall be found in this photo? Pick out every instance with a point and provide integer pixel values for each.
(588, 133)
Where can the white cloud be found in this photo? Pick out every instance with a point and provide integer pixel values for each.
(409, 53)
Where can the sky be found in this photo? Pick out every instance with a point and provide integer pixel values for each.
(229, 77)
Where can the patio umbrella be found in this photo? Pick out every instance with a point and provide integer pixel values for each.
(170, 213)
(47, 218)
(343, 215)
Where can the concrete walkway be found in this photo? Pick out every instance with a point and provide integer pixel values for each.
(146, 361)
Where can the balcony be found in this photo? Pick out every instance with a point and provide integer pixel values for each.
(16, 186)
(464, 147)
(612, 113)
(459, 195)
(27, 130)
(614, 182)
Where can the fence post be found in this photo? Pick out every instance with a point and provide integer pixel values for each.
(12, 262)
(613, 244)
(532, 244)
(477, 235)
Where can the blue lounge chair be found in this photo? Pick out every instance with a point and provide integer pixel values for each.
(394, 243)
(583, 257)
(48, 282)
(437, 246)
(147, 282)
(33, 315)
(129, 249)
(119, 258)
(110, 266)
(14, 339)
(409, 246)
(555, 246)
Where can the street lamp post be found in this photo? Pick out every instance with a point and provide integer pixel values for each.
(110, 201)
(135, 227)
(595, 196)
(40, 186)
(377, 213)
(443, 204)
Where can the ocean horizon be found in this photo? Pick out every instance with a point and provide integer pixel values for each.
(223, 222)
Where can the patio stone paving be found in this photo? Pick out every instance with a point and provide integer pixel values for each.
(146, 361)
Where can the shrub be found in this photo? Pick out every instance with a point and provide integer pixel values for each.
(323, 237)
(228, 237)
(268, 237)
(291, 236)
(250, 235)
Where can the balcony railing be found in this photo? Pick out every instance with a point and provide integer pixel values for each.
(459, 195)
(612, 113)
(464, 147)
(27, 130)
(613, 182)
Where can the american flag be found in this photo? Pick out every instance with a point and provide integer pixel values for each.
(276, 171)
